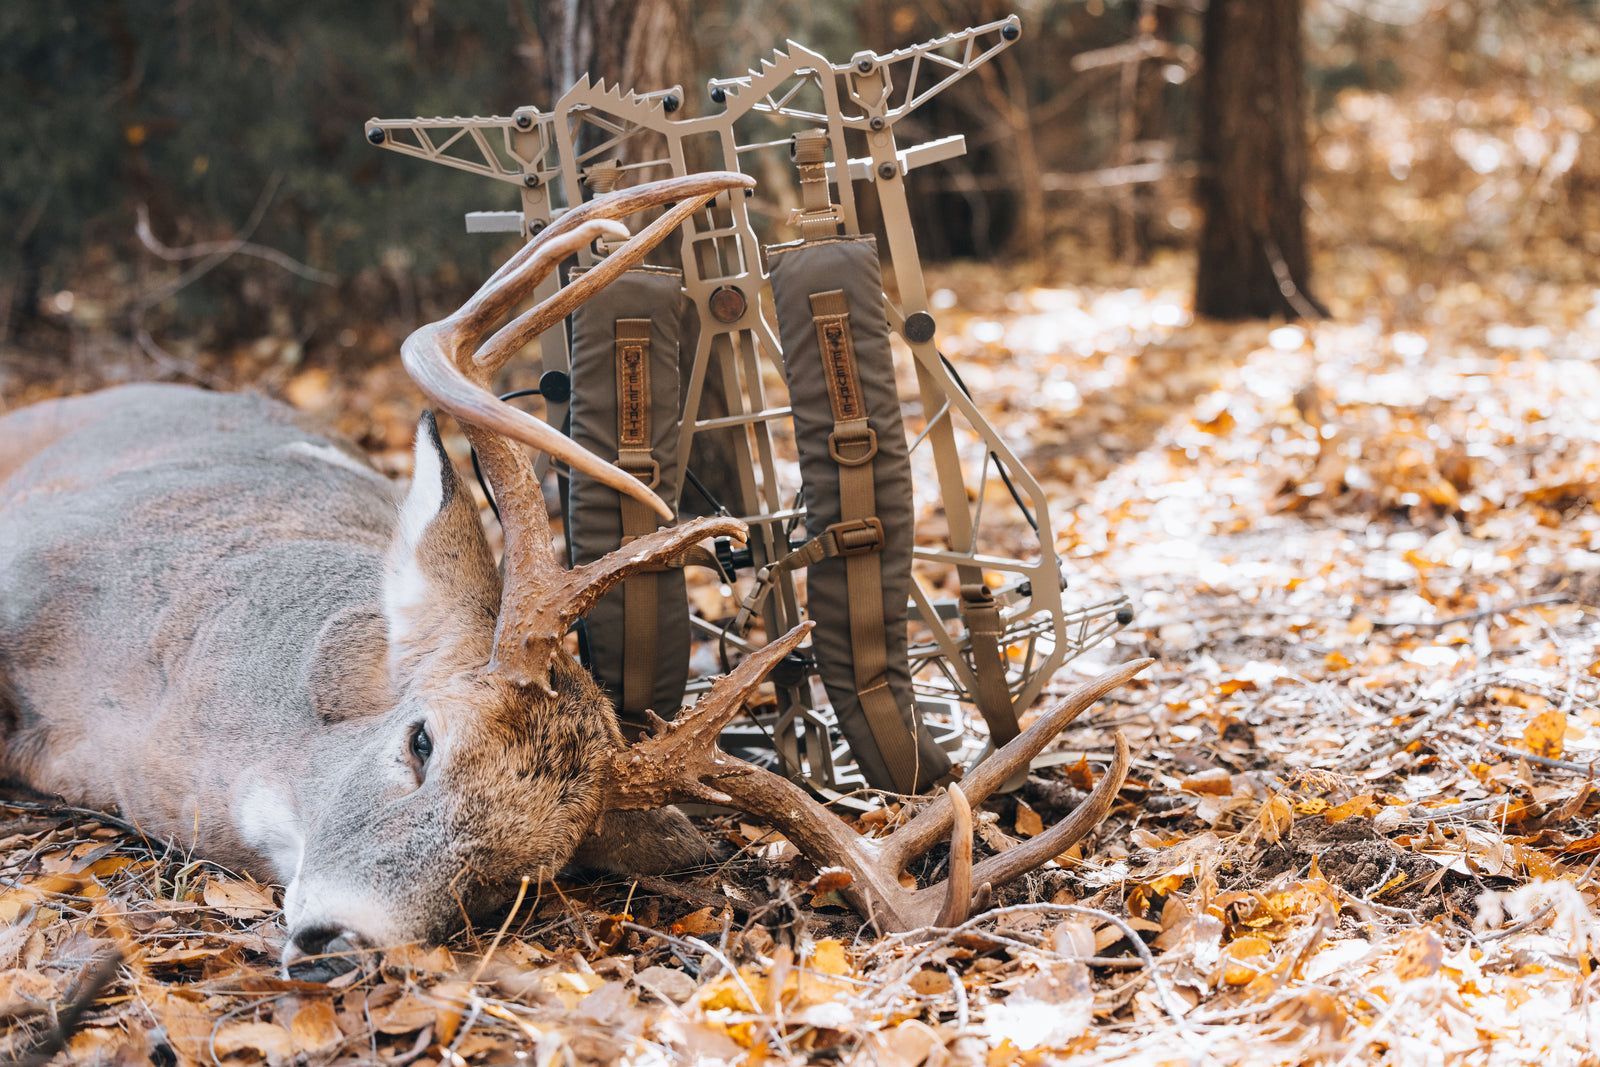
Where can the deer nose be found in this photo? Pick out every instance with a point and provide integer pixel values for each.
(322, 953)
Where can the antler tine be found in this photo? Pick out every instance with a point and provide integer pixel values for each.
(933, 822)
(434, 357)
(690, 194)
(998, 870)
(682, 762)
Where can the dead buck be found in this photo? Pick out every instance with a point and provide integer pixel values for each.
(230, 628)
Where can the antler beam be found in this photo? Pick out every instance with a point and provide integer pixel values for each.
(540, 597)
(682, 762)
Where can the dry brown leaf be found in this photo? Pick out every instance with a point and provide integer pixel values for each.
(315, 1025)
(1215, 781)
(240, 900)
(405, 1016)
(1028, 823)
(22, 989)
(188, 1025)
(269, 1039)
(698, 923)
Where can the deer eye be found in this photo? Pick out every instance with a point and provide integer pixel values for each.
(421, 744)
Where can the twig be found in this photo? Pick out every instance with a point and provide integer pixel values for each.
(704, 898)
(71, 1017)
(1249, 611)
(1541, 761)
(233, 247)
(1521, 926)
(522, 891)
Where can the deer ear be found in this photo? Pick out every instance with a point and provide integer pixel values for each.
(441, 588)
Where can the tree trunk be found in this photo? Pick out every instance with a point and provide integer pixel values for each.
(1253, 262)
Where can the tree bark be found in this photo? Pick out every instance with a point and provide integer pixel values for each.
(1253, 261)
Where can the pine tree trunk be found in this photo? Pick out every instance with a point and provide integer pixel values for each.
(1253, 262)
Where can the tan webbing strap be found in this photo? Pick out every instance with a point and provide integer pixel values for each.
(634, 456)
(984, 630)
(817, 215)
(853, 444)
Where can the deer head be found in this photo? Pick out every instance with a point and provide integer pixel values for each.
(491, 760)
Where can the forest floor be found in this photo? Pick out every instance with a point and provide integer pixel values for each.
(1361, 825)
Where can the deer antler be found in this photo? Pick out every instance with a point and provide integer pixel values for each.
(682, 762)
(540, 598)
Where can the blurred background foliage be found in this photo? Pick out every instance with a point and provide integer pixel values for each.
(1441, 130)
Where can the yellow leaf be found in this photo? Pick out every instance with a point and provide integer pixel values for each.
(1277, 815)
(1218, 425)
(1028, 822)
(1420, 955)
(1545, 735)
(928, 983)
(1235, 970)
(1356, 805)
(1337, 661)
(697, 923)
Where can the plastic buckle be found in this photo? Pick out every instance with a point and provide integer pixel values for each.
(629, 465)
(857, 537)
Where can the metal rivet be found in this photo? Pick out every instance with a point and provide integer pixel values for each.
(534, 227)
(669, 103)
(886, 170)
(1124, 616)
(864, 65)
(524, 121)
(531, 181)
(876, 123)
(718, 94)
(1011, 31)
(376, 135)
(728, 303)
(919, 327)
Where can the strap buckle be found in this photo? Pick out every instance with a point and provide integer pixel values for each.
(841, 439)
(857, 537)
(639, 467)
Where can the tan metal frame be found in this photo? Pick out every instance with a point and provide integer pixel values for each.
(721, 252)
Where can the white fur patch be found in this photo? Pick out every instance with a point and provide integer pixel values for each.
(267, 822)
(426, 495)
(404, 587)
(329, 454)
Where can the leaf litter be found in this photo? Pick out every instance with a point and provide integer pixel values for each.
(1361, 825)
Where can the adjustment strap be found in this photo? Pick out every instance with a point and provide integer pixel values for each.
(817, 215)
(984, 630)
(634, 455)
(853, 444)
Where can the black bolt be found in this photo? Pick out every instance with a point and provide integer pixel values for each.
(1011, 31)
(864, 65)
(718, 94)
(886, 170)
(555, 387)
(531, 181)
(524, 121)
(669, 103)
(535, 227)
(919, 327)
(1124, 616)
(748, 192)
(376, 135)
(877, 122)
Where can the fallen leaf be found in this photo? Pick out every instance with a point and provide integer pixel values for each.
(240, 900)
(1028, 823)
(269, 1039)
(1420, 955)
(1546, 734)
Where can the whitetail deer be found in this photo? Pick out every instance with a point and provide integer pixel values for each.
(231, 628)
